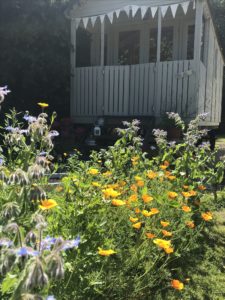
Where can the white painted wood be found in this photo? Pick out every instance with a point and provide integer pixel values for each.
(174, 87)
(164, 87)
(197, 46)
(180, 77)
(201, 100)
(185, 89)
(169, 87)
(106, 90)
(73, 67)
(102, 42)
(159, 34)
(159, 66)
(126, 89)
(191, 108)
(152, 89)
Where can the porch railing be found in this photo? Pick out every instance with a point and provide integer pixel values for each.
(138, 90)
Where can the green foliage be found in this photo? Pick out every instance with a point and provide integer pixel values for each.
(140, 223)
(122, 175)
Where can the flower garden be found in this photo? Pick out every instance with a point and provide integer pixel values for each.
(123, 225)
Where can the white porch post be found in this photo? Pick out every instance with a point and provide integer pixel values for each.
(158, 78)
(197, 48)
(102, 42)
(159, 34)
(198, 29)
(73, 67)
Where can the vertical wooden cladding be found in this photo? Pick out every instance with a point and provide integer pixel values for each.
(213, 79)
(137, 90)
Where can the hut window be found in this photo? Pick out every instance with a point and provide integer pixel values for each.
(153, 45)
(84, 39)
(190, 42)
(129, 47)
(167, 44)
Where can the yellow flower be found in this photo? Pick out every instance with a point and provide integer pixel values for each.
(133, 188)
(146, 213)
(140, 183)
(137, 210)
(177, 284)
(47, 204)
(151, 174)
(162, 243)
(186, 208)
(168, 250)
(193, 193)
(118, 202)
(96, 184)
(186, 194)
(166, 163)
(166, 233)
(135, 160)
(172, 195)
(164, 223)
(154, 211)
(107, 173)
(43, 105)
(110, 192)
(190, 224)
(207, 216)
(185, 187)
(93, 171)
(163, 167)
(106, 252)
(138, 178)
(137, 225)
(147, 198)
(150, 235)
(133, 220)
(59, 189)
(201, 187)
(133, 198)
(171, 177)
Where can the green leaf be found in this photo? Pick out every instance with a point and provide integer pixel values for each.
(9, 283)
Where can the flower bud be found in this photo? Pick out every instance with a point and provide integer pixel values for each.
(36, 171)
(19, 177)
(10, 210)
(55, 268)
(31, 238)
(36, 277)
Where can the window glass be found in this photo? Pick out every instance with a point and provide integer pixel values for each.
(83, 48)
(129, 47)
(153, 45)
(190, 42)
(167, 44)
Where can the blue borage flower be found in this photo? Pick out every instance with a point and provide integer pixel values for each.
(11, 129)
(6, 242)
(1, 161)
(48, 242)
(25, 251)
(42, 153)
(30, 119)
(4, 91)
(53, 133)
(71, 244)
(51, 297)
(25, 131)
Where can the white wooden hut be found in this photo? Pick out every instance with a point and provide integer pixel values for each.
(145, 58)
